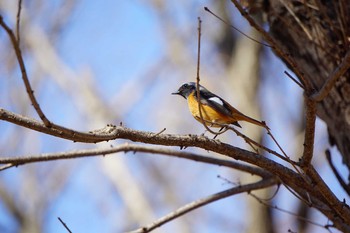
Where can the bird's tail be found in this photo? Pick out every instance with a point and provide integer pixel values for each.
(238, 116)
(253, 121)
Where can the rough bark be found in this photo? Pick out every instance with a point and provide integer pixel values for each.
(316, 34)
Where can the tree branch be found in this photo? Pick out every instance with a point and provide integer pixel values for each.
(252, 142)
(20, 160)
(296, 215)
(111, 132)
(336, 173)
(18, 52)
(204, 201)
(330, 82)
(64, 224)
(18, 21)
(57, 131)
(341, 209)
(279, 51)
(309, 139)
(287, 176)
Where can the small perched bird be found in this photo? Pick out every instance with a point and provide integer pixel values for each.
(214, 109)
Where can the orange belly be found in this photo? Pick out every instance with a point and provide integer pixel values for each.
(209, 114)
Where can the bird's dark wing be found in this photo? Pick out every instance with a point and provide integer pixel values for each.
(215, 102)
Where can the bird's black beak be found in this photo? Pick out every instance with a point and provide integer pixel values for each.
(179, 93)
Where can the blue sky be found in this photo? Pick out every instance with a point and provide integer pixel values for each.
(118, 42)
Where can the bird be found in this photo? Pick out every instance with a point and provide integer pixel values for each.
(216, 112)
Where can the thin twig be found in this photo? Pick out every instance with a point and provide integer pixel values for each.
(307, 200)
(278, 50)
(230, 25)
(283, 152)
(330, 82)
(273, 195)
(336, 173)
(18, 21)
(198, 80)
(263, 202)
(25, 79)
(160, 132)
(288, 158)
(205, 201)
(7, 166)
(64, 224)
(294, 80)
(249, 140)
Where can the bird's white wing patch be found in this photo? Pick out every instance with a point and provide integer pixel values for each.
(216, 100)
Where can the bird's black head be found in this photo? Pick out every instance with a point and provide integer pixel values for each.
(186, 89)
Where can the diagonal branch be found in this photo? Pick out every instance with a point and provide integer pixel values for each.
(296, 215)
(341, 209)
(277, 49)
(252, 142)
(345, 186)
(204, 201)
(18, 52)
(69, 134)
(238, 30)
(64, 224)
(330, 82)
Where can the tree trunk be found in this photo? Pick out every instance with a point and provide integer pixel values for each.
(317, 35)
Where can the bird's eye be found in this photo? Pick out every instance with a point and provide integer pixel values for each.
(186, 85)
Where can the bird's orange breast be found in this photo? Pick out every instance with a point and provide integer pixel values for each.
(209, 114)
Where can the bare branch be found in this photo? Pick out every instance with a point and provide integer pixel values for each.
(279, 51)
(204, 122)
(76, 136)
(18, 21)
(268, 150)
(115, 132)
(65, 225)
(309, 132)
(287, 176)
(336, 173)
(20, 160)
(264, 202)
(222, 20)
(204, 201)
(330, 82)
(341, 209)
(6, 166)
(294, 80)
(19, 57)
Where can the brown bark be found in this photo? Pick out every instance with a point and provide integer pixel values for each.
(316, 35)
